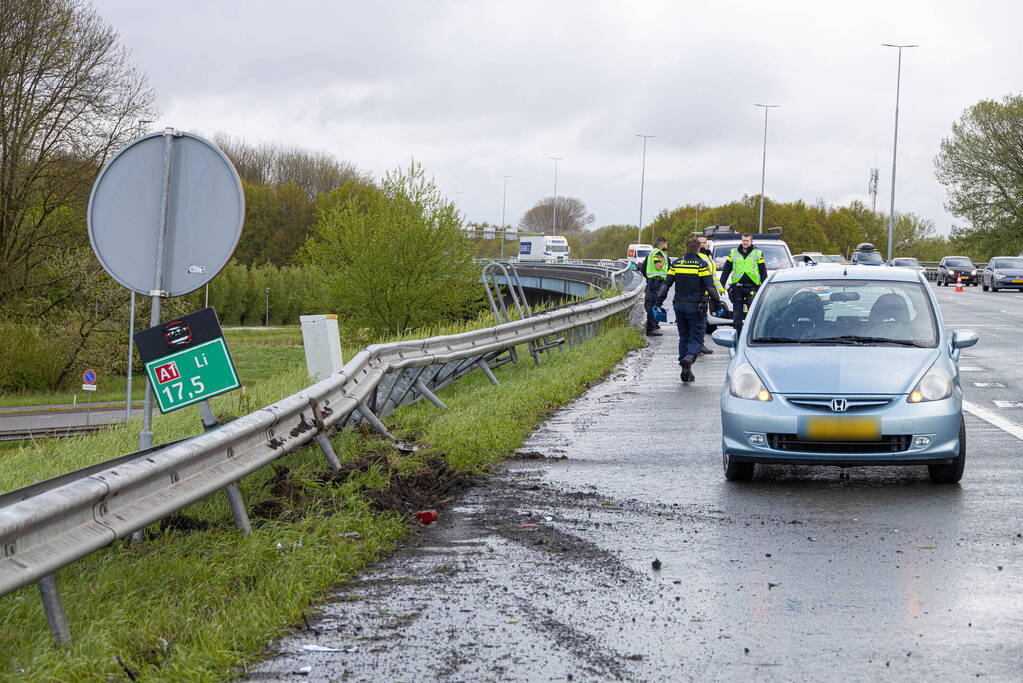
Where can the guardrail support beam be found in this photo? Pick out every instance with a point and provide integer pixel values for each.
(54, 608)
(486, 371)
(321, 437)
(374, 421)
(241, 515)
(430, 396)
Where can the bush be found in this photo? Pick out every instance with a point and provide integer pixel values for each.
(31, 361)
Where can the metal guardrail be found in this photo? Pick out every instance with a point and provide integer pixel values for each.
(64, 519)
(54, 432)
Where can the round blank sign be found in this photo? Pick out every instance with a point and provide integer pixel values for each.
(205, 212)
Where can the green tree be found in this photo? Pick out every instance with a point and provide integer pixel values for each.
(981, 166)
(393, 259)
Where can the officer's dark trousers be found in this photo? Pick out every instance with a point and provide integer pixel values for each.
(740, 296)
(691, 323)
(653, 289)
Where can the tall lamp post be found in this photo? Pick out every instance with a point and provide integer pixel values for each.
(895, 147)
(554, 210)
(266, 317)
(642, 184)
(504, 204)
(458, 199)
(763, 164)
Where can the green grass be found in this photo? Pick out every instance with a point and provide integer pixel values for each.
(199, 604)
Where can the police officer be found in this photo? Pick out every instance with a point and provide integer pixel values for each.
(656, 269)
(693, 285)
(744, 270)
(708, 257)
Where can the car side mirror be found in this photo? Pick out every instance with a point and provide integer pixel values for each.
(964, 339)
(725, 337)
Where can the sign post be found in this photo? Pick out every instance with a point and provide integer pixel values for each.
(88, 386)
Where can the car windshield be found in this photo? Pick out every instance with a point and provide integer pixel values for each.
(854, 312)
(1013, 263)
(868, 257)
(557, 248)
(906, 262)
(642, 253)
(776, 256)
(959, 263)
(831, 258)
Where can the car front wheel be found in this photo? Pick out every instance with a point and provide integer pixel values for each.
(951, 474)
(737, 471)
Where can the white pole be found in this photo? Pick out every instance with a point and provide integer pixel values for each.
(131, 355)
(504, 204)
(555, 209)
(763, 166)
(895, 147)
(642, 185)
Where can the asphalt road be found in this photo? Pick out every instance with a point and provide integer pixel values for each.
(545, 571)
(47, 420)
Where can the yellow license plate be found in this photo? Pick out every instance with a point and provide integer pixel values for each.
(841, 429)
(1017, 282)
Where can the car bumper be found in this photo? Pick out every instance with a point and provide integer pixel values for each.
(938, 421)
(1007, 283)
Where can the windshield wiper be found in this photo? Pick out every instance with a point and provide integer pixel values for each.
(775, 340)
(857, 339)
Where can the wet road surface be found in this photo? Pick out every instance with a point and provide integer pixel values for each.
(545, 571)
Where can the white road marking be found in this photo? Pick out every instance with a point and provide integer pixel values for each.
(988, 384)
(996, 420)
(970, 368)
(1008, 404)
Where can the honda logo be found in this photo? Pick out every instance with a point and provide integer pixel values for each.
(839, 405)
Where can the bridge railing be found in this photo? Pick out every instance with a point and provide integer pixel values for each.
(49, 525)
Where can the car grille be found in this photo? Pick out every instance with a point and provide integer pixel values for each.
(791, 442)
(852, 404)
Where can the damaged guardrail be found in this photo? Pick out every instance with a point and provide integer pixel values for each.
(49, 525)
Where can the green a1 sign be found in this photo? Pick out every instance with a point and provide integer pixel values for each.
(192, 375)
(187, 360)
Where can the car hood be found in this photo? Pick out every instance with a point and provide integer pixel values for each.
(840, 369)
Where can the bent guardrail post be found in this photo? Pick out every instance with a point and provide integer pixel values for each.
(234, 493)
(486, 371)
(430, 396)
(54, 608)
(374, 420)
(321, 437)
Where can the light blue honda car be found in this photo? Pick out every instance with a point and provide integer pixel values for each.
(844, 365)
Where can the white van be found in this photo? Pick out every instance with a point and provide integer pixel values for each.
(551, 248)
(638, 252)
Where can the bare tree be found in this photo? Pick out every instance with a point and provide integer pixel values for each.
(572, 216)
(274, 164)
(68, 98)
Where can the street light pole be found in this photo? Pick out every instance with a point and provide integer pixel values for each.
(895, 147)
(642, 184)
(763, 166)
(554, 211)
(504, 204)
(266, 319)
(458, 199)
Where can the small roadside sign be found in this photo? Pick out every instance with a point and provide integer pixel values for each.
(89, 377)
(88, 387)
(187, 360)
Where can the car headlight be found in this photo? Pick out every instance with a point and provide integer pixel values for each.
(935, 385)
(746, 383)
(999, 277)
(974, 271)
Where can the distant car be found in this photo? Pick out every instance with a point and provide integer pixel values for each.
(637, 252)
(1003, 272)
(865, 254)
(907, 262)
(809, 258)
(844, 365)
(952, 268)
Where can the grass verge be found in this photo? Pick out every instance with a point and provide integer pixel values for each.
(197, 600)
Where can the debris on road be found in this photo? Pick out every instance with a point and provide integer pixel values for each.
(656, 564)
(427, 516)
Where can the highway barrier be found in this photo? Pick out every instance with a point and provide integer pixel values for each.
(49, 525)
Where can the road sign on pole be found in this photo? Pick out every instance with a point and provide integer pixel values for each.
(89, 377)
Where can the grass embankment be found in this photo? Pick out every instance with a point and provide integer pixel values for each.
(197, 600)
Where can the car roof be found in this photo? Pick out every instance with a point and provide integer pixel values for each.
(836, 271)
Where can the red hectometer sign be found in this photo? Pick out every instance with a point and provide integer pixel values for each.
(167, 372)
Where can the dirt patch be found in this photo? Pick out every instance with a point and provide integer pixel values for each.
(179, 522)
(432, 483)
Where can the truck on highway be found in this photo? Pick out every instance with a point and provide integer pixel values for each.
(550, 248)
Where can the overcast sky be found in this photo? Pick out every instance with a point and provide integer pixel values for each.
(476, 89)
